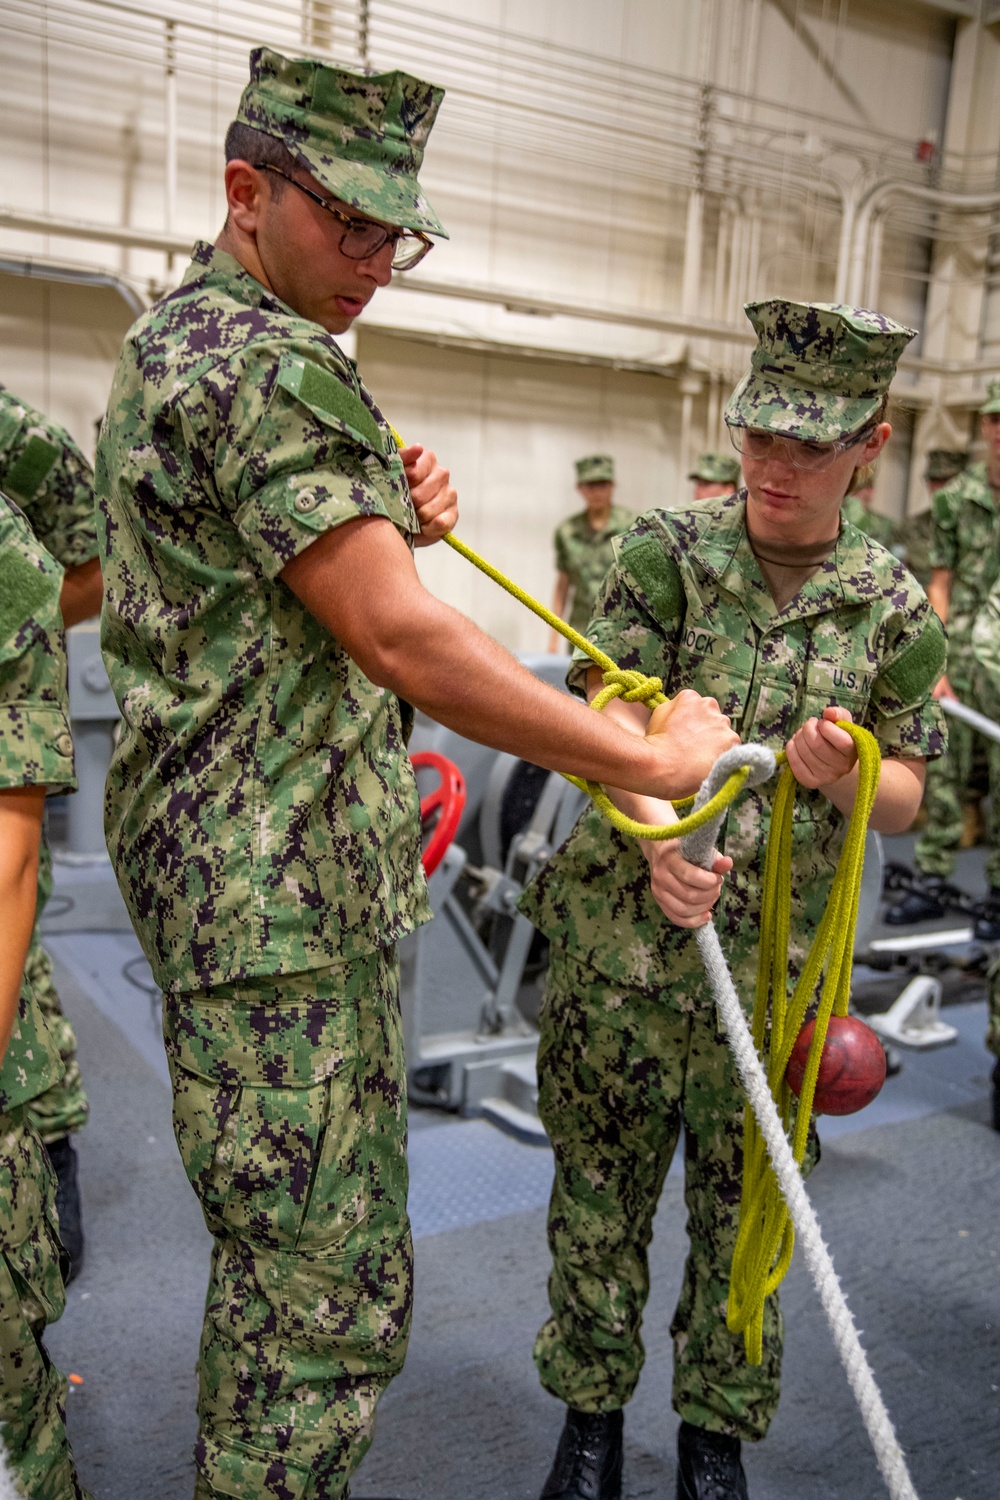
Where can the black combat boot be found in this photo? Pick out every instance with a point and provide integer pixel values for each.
(708, 1466)
(922, 904)
(987, 928)
(588, 1463)
(995, 1094)
(63, 1159)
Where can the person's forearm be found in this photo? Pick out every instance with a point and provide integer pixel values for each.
(20, 829)
(900, 789)
(462, 678)
(939, 592)
(81, 593)
(360, 583)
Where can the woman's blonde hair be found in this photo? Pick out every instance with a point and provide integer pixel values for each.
(864, 474)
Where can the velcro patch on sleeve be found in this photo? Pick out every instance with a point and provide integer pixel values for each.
(918, 667)
(23, 592)
(657, 575)
(324, 394)
(28, 473)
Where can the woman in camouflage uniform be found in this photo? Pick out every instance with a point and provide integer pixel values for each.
(36, 754)
(792, 619)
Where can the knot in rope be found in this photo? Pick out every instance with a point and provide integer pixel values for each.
(634, 687)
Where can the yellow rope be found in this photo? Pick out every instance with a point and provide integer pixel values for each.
(765, 1237)
(619, 682)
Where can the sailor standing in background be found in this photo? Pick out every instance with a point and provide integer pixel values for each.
(965, 564)
(583, 544)
(916, 533)
(715, 474)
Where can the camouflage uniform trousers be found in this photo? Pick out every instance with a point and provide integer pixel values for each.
(948, 780)
(290, 1115)
(32, 1392)
(63, 1109)
(619, 1073)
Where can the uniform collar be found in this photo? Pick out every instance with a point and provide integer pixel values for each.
(215, 268)
(723, 550)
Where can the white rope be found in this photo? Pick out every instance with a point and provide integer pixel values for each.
(699, 848)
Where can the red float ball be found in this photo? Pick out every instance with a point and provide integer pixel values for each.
(851, 1070)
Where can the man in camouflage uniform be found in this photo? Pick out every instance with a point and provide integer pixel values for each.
(916, 533)
(43, 470)
(262, 612)
(858, 510)
(715, 474)
(584, 543)
(965, 564)
(756, 599)
(36, 755)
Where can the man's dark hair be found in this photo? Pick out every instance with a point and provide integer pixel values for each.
(245, 143)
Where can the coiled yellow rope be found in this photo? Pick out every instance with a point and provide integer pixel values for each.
(765, 1237)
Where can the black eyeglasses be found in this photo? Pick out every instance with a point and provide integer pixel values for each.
(751, 442)
(363, 238)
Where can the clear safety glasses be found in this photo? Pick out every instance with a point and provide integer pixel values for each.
(751, 442)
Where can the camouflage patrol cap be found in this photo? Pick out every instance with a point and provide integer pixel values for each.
(361, 134)
(716, 468)
(598, 469)
(945, 463)
(819, 370)
(992, 402)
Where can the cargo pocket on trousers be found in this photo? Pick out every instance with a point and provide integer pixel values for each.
(351, 1307)
(273, 1166)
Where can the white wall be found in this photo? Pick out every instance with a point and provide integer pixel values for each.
(509, 430)
(58, 346)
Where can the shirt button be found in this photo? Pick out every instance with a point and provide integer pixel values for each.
(306, 501)
(64, 744)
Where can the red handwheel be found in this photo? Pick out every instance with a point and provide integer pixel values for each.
(447, 801)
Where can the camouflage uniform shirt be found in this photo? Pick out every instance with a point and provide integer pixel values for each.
(43, 470)
(686, 603)
(35, 746)
(585, 555)
(261, 809)
(967, 543)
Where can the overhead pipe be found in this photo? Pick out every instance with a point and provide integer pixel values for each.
(44, 270)
(104, 234)
(876, 200)
(514, 300)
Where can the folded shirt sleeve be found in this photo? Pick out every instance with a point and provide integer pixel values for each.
(295, 449)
